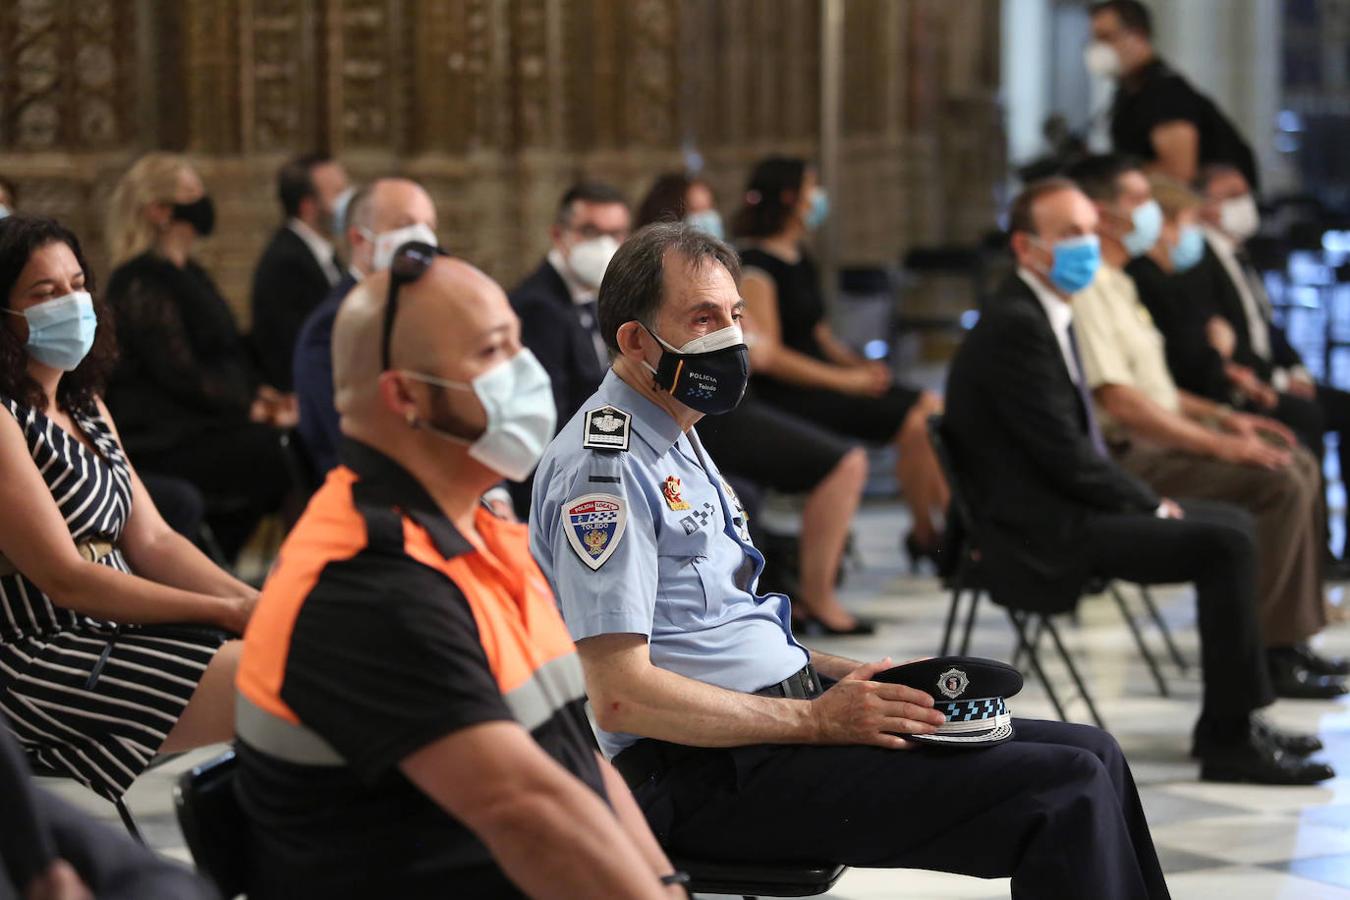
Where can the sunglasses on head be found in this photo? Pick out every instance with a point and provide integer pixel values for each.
(410, 262)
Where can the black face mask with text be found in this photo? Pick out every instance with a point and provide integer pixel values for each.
(708, 374)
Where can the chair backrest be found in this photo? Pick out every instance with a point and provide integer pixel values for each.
(213, 823)
(942, 450)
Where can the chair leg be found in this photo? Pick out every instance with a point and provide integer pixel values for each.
(1146, 653)
(970, 621)
(1073, 672)
(1035, 660)
(1039, 629)
(128, 821)
(950, 627)
(1172, 649)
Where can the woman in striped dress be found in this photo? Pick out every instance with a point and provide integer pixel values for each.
(94, 679)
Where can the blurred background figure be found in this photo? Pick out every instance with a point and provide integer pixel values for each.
(380, 217)
(186, 396)
(300, 264)
(808, 371)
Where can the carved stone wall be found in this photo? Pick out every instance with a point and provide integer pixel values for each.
(496, 105)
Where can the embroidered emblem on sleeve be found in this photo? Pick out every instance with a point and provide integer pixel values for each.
(594, 525)
(607, 428)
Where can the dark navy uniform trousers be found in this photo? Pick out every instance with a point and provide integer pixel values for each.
(1055, 808)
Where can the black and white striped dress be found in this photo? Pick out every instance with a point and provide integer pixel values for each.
(104, 734)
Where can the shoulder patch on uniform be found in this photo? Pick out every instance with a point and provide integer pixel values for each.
(607, 428)
(594, 525)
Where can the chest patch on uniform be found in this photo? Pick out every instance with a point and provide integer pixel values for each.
(699, 518)
(594, 524)
(673, 492)
(607, 428)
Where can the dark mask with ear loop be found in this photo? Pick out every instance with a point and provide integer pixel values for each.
(200, 214)
(708, 374)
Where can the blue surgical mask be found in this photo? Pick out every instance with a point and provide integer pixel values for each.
(820, 209)
(1076, 261)
(1147, 219)
(61, 331)
(708, 221)
(1190, 248)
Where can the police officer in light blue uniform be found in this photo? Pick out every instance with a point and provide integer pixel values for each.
(644, 536)
(738, 742)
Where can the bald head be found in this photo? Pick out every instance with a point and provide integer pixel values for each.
(452, 323)
(385, 204)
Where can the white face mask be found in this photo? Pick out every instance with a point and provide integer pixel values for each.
(1101, 60)
(1239, 217)
(340, 204)
(589, 259)
(518, 398)
(386, 242)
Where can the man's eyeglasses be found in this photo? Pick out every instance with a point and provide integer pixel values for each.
(411, 261)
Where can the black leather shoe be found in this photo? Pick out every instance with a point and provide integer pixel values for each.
(1292, 680)
(1321, 665)
(1256, 761)
(1288, 741)
(1204, 742)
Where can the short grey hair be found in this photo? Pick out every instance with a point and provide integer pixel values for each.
(632, 289)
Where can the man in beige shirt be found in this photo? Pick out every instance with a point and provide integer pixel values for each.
(1180, 443)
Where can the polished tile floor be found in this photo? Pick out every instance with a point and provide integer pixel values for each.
(1233, 842)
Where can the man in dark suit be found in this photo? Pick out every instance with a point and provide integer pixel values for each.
(382, 216)
(556, 302)
(1226, 284)
(298, 268)
(1052, 509)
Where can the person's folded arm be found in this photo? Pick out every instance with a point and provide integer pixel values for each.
(552, 835)
(1025, 380)
(157, 552)
(775, 358)
(36, 541)
(1145, 418)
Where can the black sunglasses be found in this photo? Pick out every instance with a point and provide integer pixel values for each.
(411, 261)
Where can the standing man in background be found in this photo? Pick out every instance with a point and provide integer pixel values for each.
(1156, 115)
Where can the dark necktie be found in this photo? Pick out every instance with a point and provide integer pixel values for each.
(588, 314)
(1085, 397)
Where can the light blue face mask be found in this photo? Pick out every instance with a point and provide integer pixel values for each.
(1190, 248)
(708, 221)
(820, 209)
(1076, 261)
(1148, 221)
(61, 331)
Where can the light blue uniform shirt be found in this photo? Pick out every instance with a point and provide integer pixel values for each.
(608, 530)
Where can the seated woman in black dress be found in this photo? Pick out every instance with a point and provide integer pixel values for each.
(803, 458)
(185, 390)
(94, 679)
(809, 371)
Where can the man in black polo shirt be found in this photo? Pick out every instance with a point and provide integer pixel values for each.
(410, 713)
(1156, 115)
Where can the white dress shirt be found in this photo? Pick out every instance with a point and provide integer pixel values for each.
(320, 246)
(581, 295)
(1060, 314)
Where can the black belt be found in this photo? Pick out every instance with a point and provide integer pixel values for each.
(804, 684)
(649, 757)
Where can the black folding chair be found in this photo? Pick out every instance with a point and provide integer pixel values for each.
(214, 827)
(1029, 625)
